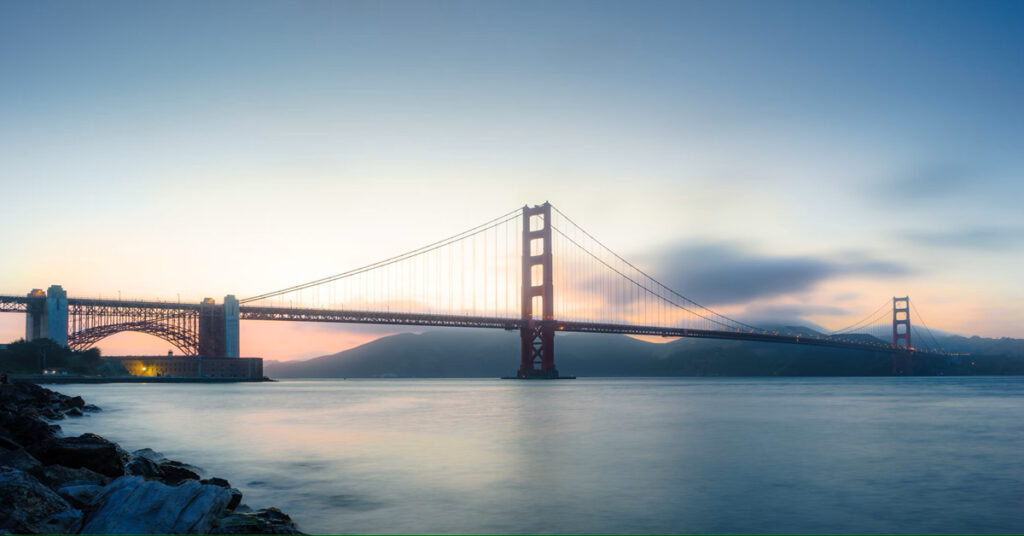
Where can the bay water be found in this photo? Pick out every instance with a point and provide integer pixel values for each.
(596, 455)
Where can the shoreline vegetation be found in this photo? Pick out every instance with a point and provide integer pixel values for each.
(28, 358)
(52, 484)
(72, 378)
(45, 361)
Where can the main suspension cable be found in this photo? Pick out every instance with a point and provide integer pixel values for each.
(659, 283)
(391, 260)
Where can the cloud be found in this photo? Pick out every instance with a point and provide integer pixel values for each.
(722, 273)
(339, 327)
(976, 185)
(793, 311)
(974, 238)
(932, 181)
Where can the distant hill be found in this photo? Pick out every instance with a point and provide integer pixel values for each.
(452, 353)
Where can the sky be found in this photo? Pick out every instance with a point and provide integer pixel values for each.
(804, 160)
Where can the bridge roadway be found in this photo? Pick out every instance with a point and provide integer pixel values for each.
(411, 319)
(127, 309)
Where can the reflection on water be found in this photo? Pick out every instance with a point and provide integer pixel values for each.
(917, 455)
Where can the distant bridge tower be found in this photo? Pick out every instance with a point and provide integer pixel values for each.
(901, 321)
(537, 334)
(901, 364)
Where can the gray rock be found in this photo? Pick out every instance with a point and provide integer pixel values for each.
(80, 495)
(74, 412)
(27, 506)
(65, 522)
(236, 495)
(131, 505)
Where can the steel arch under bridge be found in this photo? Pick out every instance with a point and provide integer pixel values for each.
(90, 321)
(184, 339)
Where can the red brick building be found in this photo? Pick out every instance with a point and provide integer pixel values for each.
(249, 368)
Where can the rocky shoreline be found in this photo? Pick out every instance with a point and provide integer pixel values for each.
(50, 484)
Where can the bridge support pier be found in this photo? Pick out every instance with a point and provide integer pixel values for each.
(537, 336)
(218, 327)
(47, 315)
(211, 328)
(902, 364)
(230, 326)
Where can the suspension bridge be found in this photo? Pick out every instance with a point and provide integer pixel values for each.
(533, 271)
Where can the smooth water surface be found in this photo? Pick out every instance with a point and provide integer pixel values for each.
(917, 455)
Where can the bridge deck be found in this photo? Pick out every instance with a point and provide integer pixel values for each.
(247, 312)
(409, 319)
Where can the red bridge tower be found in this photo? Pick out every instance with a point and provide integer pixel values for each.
(538, 334)
(901, 363)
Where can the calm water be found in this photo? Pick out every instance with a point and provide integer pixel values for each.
(919, 455)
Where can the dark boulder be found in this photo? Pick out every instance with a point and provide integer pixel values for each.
(20, 459)
(74, 412)
(216, 481)
(7, 442)
(87, 450)
(144, 467)
(25, 430)
(28, 507)
(149, 454)
(74, 402)
(56, 476)
(263, 521)
(175, 472)
(236, 498)
(26, 394)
